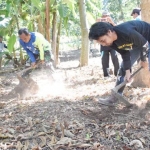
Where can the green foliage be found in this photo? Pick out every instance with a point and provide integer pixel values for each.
(4, 25)
(11, 43)
(121, 9)
(63, 10)
(37, 4)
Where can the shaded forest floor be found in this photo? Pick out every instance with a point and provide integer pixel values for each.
(65, 116)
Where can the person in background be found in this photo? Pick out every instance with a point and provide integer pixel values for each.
(107, 51)
(136, 14)
(36, 46)
(2, 47)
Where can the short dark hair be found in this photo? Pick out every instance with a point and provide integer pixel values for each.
(135, 11)
(99, 29)
(23, 30)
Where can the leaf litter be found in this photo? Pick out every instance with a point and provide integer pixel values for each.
(64, 115)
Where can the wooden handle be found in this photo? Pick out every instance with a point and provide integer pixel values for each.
(29, 68)
(24, 70)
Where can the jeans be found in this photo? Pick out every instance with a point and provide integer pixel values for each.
(135, 55)
(105, 61)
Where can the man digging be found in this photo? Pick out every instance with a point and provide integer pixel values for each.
(130, 39)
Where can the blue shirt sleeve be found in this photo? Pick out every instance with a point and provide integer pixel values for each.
(31, 55)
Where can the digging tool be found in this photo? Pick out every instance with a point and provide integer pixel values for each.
(119, 96)
(19, 76)
(26, 85)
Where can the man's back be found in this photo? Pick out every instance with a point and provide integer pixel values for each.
(140, 26)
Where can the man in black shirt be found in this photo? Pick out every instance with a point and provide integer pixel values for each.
(130, 39)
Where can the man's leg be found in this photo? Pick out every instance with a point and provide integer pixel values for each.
(49, 60)
(105, 62)
(135, 54)
(115, 61)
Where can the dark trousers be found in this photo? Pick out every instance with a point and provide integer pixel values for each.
(134, 56)
(105, 61)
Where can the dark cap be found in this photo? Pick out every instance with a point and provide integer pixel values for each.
(135, 11)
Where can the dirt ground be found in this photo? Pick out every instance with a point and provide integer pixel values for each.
(64, 115)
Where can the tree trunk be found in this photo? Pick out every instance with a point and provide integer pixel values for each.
(54, 24)
(145, 10)
(142, 79)
(39, 24)
(84, 58)
(47, 20)
(58, 40)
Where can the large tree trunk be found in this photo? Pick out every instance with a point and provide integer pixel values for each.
(142, 79)
(84, 58)
(145, 10)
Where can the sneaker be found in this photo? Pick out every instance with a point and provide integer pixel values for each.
(110, 101)
(108, 78)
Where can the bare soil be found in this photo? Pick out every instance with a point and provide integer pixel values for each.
(64, 115)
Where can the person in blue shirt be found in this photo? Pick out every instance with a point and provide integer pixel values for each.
(35, 45)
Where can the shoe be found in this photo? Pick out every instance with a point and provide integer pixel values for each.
(107, 78)
(110, 101)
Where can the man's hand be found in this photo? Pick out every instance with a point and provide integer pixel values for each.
(128, 76)
(42, 62)
(110, 21)
(33, 64)
(144, 64)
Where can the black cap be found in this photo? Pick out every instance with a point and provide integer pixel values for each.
(135, 11)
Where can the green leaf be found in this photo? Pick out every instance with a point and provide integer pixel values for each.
(71, 5)
(6, 62)
(4, 22)
(3, 12)
(30, 26)
(63, 10)
(37, 4)
(11, 43)
(52, 2)
(87, 136)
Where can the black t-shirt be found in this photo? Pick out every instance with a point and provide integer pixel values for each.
(130, 35)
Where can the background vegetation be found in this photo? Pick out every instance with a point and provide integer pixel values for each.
(61, 26)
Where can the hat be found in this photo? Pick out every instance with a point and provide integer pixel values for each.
(105, 13)
(135, 11)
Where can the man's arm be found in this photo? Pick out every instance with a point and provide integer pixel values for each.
(40, 40)
(138, 41)
(31, 56)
